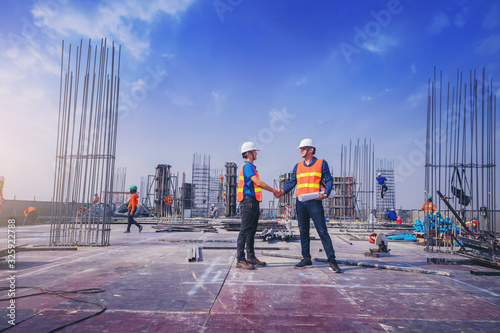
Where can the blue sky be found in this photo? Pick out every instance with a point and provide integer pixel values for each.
(205, 76)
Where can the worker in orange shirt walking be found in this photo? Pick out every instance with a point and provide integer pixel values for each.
(133, 203)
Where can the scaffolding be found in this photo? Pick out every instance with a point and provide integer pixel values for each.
(386, 168)
(341, 206)
(460, 166)
(163, 191)
(286, 203)
(216, 192)
(231, 188)
(201, 183)
(86, 146)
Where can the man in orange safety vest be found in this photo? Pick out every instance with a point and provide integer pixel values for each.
(309, 175)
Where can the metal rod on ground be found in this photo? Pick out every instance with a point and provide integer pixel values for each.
(345, 240)
(364, 264)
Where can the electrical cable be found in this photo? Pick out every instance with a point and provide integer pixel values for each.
(44, 291)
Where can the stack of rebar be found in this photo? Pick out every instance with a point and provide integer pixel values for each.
(86, 145)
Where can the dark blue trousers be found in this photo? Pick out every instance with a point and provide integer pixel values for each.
(131, 221)
(249, 209)
(305, 211)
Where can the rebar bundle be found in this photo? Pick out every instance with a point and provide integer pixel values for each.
(357, 185)
(86, 145)
(460, 152)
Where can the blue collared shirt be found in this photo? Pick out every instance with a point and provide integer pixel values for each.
(325, 176)
(249, 170)
(381, 180)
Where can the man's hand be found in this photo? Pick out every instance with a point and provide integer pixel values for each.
(278, 193)
(322, 196)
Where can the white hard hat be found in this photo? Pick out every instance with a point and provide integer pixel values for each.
(379, 174)
(306, 143)
(248, 146)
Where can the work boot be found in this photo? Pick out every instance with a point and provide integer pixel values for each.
(244, 264)
(126, 232)
(304, 263)
(140, 228)
(334, 267)
(256, 262)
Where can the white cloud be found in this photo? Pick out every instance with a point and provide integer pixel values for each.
(127, 22)
(413, 68)
(381, 44)
(439, 22)
(300, 82)
(415, 99)
(218, 101)
(366, 98)
(181, 101)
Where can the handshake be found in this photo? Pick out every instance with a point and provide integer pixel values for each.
(278, 193)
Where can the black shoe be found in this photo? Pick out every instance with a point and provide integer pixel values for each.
(334, 267)
(304, 263)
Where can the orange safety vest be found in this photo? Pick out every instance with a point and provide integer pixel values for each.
(309, 177)
(241, 184)
(168, 200)
(133, 202)
(96, 199)
(428, 207)
(29, 209)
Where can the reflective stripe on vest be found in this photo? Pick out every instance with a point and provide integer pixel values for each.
(429, 207)
(241, 184)
(309, 178)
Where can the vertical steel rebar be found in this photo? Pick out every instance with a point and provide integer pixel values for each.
(85, 147)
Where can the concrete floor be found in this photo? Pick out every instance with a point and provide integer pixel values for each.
(149, 286)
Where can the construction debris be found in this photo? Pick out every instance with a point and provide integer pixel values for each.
(270, 234)
(194, 253)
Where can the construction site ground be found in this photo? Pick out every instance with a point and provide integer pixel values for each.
(148, 285)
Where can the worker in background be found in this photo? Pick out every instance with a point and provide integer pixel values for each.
(428, 207)
(391, 215)
(214, 212)
(133, 203)
(249, 196)
(2, 182)
(84, 209)
(96, 198)
(308, 175)
(383, 187)
(31, 215)
(168, 203)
